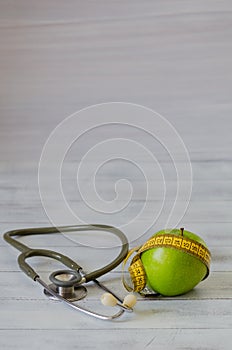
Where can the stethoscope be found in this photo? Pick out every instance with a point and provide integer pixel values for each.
(67, 285)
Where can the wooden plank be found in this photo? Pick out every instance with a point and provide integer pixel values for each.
(163, 339)
(214, 234)
(197, 212)
(21, 193)
(207, 169)
(16, 286)
(159, 314)
(221, 258)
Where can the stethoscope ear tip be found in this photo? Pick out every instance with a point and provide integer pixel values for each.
(129, 301)
(108, 299)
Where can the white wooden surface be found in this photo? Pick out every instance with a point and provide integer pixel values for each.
(58, 57)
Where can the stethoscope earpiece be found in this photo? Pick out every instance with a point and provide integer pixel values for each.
(128, 303)
(108, 299)
(130, 300)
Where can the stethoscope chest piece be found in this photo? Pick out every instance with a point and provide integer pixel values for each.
(65, 283)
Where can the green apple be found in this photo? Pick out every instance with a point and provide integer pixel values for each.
(171, 271)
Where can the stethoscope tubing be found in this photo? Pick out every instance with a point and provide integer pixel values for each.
(28, 252)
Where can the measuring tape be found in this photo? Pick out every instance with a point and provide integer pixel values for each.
(182, 243)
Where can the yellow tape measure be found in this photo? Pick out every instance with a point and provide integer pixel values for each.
(187, 245)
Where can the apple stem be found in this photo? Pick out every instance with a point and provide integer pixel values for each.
(182, 231)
